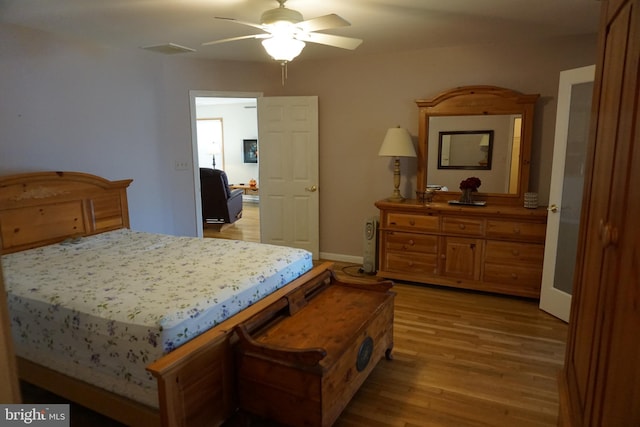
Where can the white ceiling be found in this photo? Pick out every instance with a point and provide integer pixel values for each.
(384, 25)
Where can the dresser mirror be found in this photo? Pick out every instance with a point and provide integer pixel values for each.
(499, 153)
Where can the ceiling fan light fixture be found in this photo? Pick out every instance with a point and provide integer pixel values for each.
(283, 49)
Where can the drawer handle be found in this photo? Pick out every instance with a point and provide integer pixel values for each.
(412, 222)
(411, 242)
(516, 231)
(461, 226)
(514, 276)
(515, 252)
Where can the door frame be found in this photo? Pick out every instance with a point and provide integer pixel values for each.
(193, 94)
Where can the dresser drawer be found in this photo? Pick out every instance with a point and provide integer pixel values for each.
(407, 242)
(403, 221)
(514, 253)
(514, 230)
(517, 274)
(401, 262)
(463, 226)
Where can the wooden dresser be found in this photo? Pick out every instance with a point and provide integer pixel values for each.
(488, 248)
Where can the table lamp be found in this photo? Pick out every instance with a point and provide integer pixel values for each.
(397, 143)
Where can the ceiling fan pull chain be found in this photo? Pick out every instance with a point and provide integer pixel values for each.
(283, 65)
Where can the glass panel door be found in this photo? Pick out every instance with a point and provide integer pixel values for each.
(565, 196)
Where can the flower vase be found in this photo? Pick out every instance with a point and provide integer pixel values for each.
(466, 196)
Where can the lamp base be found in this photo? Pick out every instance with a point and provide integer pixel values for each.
(396, 196)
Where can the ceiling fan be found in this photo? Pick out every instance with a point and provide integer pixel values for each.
(286, 32)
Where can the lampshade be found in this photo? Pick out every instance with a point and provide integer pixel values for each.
(283, 48)
(397, 143)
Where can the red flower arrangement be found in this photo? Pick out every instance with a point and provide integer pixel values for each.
(470, 184)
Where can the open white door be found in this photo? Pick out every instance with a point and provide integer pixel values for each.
(565, 196)
(288, 153)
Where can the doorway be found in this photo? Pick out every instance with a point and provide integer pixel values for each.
(220, 122)
(287, 180)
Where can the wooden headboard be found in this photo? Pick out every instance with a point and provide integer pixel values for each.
(41, 208)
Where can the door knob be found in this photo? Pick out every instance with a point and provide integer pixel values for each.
(311, 189)
(608, 234)
(553, 208)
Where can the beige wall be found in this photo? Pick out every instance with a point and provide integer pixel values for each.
(359, 98)
(70, 105)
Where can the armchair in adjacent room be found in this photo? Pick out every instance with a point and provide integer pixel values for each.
(220, 204)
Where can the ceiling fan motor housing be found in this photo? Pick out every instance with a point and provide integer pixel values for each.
(281, 14)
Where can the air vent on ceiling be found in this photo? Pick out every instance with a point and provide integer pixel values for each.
(169, 48)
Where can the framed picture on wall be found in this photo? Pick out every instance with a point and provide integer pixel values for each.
(250, 150)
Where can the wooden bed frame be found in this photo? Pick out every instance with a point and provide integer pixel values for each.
(196, 384)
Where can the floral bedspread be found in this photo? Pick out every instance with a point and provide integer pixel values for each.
(103, 307)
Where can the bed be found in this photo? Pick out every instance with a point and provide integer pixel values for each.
(141, 337)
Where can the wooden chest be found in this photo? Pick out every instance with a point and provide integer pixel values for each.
(301, 364)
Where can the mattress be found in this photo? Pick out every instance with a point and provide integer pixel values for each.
(101, 308)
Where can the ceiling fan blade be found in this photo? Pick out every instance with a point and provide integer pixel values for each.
(251, 36)
(325, 22)
(330, 40)
(250, 24)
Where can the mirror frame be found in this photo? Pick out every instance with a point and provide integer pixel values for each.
(475, 101)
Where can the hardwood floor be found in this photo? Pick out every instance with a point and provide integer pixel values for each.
(464, 359)
(246, 228)
(461, 358)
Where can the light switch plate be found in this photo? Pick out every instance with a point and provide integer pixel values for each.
(181, 165)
